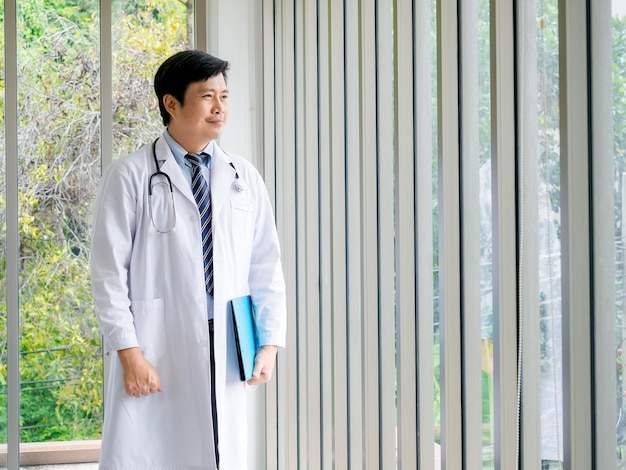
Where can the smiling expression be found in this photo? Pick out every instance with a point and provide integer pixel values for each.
(202, 116)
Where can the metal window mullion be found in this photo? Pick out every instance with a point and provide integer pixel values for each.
(528, 184)
(449, 236)
(470, 187)
(106, 84)
(208, 24)
(106, 118)
(405, 224)
(355, 265)
(423, 44)
(201, 25)
(603, 222)
(504, 233)
(12, 236)
(575, 168)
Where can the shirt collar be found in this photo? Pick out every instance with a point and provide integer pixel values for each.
(179, 152)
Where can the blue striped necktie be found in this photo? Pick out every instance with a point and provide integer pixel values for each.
(202, 195)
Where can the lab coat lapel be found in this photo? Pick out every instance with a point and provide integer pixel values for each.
(222, 175)
(169, 165)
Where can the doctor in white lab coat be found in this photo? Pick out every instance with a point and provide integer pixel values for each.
(149, 287)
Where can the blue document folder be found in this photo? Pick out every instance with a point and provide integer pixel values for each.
(246, 340)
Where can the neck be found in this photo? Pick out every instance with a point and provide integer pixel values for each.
(188, 143)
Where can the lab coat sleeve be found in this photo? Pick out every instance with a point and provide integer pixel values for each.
(267, 285)
(114, 226)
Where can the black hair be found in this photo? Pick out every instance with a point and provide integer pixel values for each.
(178, 71)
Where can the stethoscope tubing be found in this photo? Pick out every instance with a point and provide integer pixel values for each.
(239, 185)
(158, 171)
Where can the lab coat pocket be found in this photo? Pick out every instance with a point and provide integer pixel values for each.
(149, 318)
(241, 223)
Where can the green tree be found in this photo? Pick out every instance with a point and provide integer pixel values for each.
(59, 167)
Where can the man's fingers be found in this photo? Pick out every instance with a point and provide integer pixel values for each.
(144, 386)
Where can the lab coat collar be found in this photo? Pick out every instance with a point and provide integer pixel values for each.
(222, 174)
(169, 165)
(222, 178)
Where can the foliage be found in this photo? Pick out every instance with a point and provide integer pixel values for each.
(619, 112)
(619, 158)
(143, 38)
(58, 170)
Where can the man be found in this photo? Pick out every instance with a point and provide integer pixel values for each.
(164, 267)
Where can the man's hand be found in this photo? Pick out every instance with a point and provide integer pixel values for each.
(263, 365)
(140, 377)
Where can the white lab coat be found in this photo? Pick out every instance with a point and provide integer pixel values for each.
(148, 290)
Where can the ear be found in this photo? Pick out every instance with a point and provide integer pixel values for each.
(171, 104)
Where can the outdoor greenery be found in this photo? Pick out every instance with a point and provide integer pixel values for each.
(619, 149)
(58, 170)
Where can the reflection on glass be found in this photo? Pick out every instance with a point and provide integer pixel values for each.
(549, 235)
(58, 166)
(144, 34)
(619, 146)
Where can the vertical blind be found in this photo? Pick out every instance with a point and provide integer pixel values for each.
(371, 115)
(353, 161)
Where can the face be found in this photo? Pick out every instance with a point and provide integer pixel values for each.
(203, 115)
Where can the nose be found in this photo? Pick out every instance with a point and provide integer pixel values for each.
(219, 107)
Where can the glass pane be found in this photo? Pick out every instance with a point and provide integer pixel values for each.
(144, 34)
(549, 240)
(619, 145)
(58, 166)
(435, 198)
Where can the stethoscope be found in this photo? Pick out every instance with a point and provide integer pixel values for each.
(239, 185)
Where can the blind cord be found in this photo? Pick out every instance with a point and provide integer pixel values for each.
(520, 266)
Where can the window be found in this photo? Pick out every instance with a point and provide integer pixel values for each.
(59, 141)
(619, 165)
(427, 180)
(3, 313)
(477, 202)
(58, 166)
(548, 233)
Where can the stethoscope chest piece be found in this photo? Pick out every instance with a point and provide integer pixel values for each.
(240, 185)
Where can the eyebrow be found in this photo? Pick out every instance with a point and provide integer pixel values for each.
(204, 90)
